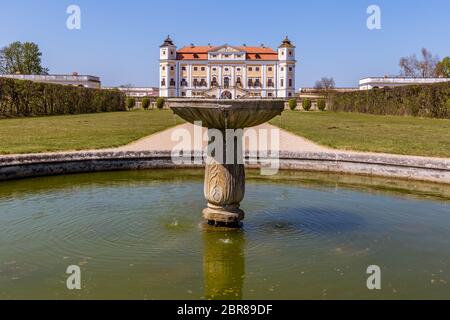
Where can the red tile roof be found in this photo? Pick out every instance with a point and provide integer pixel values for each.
(201, 53)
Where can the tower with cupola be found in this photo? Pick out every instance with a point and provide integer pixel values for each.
(168, 84)
(286, 69)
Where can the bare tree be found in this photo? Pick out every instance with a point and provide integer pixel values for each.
(425, 67)
(408, 66)
(325, 83)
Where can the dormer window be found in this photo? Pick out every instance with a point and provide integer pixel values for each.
(196, 56)
(164, 52)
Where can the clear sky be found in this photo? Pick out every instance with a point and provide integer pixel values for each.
(119, 40)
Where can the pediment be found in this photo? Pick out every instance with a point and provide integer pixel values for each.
(226, 49)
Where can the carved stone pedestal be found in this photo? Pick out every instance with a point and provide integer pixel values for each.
(225, 186)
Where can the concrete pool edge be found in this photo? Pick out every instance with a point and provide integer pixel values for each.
(402, 167)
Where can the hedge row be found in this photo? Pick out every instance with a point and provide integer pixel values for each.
(19, 98)
(421, 101)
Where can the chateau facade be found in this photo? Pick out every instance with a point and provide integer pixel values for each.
(227, 72)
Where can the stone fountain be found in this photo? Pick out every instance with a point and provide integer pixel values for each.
(225, 181)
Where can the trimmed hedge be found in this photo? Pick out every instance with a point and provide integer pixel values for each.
(418, 100)
(306, 104)
(292, 104)
(21, 98)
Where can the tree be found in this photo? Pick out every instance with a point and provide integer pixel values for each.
(321, 104)
(23, 58)
(443, 68)
(425, 67)
(293, 104)
(130, 103)
(145, 103)
(306, 104)
(160, 103)
(325, 84)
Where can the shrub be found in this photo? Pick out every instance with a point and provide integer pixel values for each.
(131, 103)
(321, 104)
(160, 102)
(19, 98)
(306, 104)
(293, 104)
(416, 100)
(145, 103)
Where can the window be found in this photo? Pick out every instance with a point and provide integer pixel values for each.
(183, 94)
(257, 83)
(238, 69)
(226, 82)
(270, 69)
(195, 82)
(257, 69)
(270, 82)
(195, 68)
(290, 94)
(172, 82)
(164, 52)
(214, 82)
(290, 53)
(226, 69)
(171, 52)
(196, 56)
(164, 68)
(290, 68)
(290, 82)
(214, 69)
(203, 69)
(282, 69)
(163, 82)
(250, 82)
(270, 94)
(282, 82)
(184, 83)
(171, 68)
(183, 68)
(250, 69)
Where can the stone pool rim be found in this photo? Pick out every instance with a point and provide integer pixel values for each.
(434, 170)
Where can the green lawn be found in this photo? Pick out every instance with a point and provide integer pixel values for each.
(363, 132)
(81, 132)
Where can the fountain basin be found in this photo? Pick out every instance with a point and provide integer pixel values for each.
(227, 114)
(136, 235)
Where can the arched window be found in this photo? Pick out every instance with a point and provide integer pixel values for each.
(226, 82)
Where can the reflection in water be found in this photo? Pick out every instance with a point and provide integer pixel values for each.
(223, 263)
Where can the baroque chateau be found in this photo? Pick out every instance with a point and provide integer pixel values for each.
(227, 72)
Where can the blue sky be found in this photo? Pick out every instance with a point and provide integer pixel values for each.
(119, 40)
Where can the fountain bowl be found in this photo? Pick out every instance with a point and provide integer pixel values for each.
(227, 114)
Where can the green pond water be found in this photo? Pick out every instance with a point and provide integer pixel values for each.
(139, 235)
